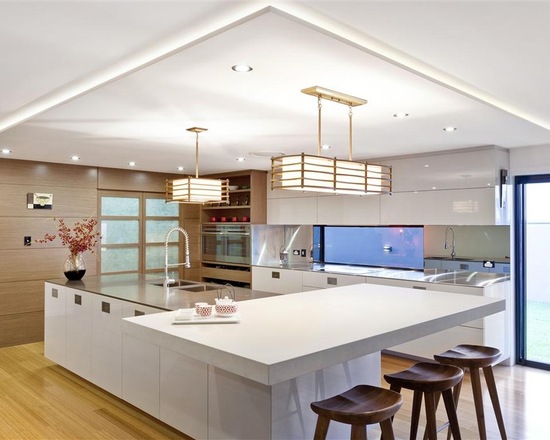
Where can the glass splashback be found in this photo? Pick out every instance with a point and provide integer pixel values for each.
(384, 246)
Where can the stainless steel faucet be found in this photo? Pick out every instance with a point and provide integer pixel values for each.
(167, 280)
(453, 244)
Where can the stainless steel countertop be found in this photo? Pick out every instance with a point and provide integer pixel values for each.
(142, 289)
(438, 276)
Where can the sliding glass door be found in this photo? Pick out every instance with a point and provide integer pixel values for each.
(532, 196)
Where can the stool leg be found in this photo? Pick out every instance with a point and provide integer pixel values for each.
(415, 416)
(387, 430)
(431, 428)
(451, 414)
(491, 385)
(456, 396)
(478, 401)
(321, 429)
(358, 432)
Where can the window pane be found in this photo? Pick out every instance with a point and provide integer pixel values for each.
(119, 231)
(154, 257)
(156, 230)
(119, 260)
(159, 208)
(121, 206)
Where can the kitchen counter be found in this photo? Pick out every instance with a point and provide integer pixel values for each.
(290, 348)
(459, 277)
(145, 290)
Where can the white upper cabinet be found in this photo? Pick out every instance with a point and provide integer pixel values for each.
(477, 206)
(460, 187)
(459, 169)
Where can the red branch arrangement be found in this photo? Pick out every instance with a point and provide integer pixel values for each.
(81, 238)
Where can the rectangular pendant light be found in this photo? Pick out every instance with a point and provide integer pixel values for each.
(303, 172)
(197, 190)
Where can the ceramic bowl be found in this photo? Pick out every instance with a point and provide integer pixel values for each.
(233, 187)
(226, 309)
(203, 310)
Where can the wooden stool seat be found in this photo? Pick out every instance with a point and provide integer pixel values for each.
(360, 406)
(429, 380)
(475, 357)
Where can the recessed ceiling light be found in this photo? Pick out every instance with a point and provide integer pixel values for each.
(427, 166)
(181, 168)
(6, 151)
(75, 158)
(132, 164)
(240, 159)
(241, 68)
(325, 147)
(400, 115)
(449, 129)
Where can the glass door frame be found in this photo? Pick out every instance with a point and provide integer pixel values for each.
(519, 267)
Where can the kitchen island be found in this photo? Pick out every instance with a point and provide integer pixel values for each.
(255, 379)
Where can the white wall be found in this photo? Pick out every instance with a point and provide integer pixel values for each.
(530, 160)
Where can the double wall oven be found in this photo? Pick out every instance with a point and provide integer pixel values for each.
(226, 243)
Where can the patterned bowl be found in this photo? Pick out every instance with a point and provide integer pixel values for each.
(226, 309)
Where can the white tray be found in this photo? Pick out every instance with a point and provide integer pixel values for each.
(214, 319)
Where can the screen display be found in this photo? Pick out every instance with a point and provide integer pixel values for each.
(383, 246)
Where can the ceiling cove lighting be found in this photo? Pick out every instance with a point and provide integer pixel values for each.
(197, 190)
(303, 172)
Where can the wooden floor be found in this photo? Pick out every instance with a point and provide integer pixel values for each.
(40, 400)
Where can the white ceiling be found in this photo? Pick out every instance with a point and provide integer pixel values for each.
(114, 82)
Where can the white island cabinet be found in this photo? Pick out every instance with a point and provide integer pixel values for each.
(258, 377)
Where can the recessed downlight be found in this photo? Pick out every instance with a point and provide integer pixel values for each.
(131, 164)
(240, 159)
(75, 158)
(6, 151)
(241, 68)
(181, 168)
(400, 115)
(325, 147)
(450, 128)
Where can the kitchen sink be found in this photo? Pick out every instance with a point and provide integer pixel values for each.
(199, 287)
(179, 283)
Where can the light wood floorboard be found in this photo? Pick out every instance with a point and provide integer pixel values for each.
(41, 400)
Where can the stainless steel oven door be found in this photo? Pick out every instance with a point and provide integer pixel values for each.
(226, 244)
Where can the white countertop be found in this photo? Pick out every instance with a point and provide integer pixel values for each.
(283, 337)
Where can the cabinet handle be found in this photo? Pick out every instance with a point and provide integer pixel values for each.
(105, 307)
(138, 313)
(419, 287)
(332, 281)
(55, 293)
(78, 299)
(276, 275)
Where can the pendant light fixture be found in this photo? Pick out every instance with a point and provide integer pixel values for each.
(303, 172)
(194, 189)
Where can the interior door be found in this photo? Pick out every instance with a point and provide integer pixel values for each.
(532, 223)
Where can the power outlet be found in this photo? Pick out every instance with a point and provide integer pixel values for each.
(27, 241)
(295, 251)
(303, 253)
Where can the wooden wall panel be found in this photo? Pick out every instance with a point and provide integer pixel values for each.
(38, 264)
(43, 174)
(14, 229)
(128, 180)
(21, 297)
(67, 202)
(21, 328)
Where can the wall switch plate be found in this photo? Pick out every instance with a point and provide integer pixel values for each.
(303, 252)
(27, 240)
(295, 251)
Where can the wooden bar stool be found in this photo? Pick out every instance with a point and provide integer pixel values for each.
(429, 380)
(476, 357)
(360, 406)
